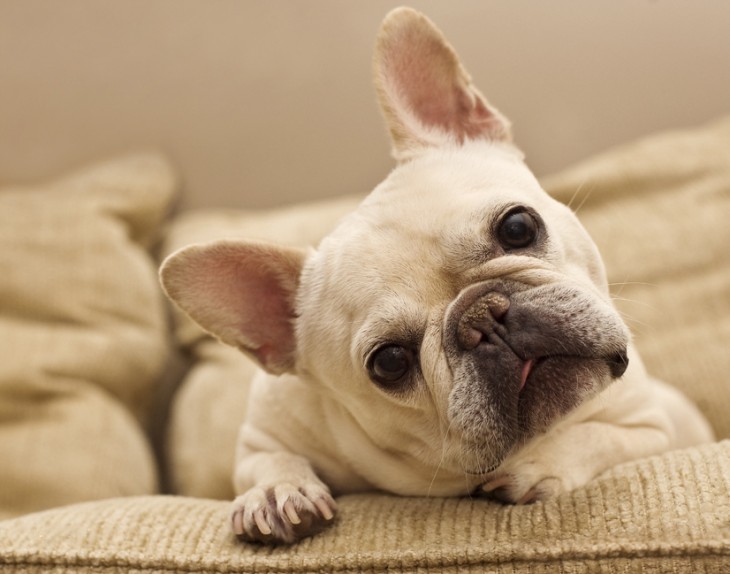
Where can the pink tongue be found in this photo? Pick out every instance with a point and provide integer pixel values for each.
(526, 368)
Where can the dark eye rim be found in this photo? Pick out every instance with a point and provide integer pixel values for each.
(518, 209)
(394, 383)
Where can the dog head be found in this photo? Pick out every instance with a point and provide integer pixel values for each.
(458, 312)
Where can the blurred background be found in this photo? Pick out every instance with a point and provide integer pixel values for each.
(264, 102)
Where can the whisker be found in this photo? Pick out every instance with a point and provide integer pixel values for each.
(624, 283)
(582, 202)
(443, 422)
(575, 193)
(645, 304)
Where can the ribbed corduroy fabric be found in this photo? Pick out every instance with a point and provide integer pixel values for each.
(665, 514)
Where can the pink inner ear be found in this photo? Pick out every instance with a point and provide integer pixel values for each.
(428, 88)
(428, 79)
(266, 312)
(242, 292)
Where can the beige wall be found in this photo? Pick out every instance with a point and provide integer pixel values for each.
(260, 102)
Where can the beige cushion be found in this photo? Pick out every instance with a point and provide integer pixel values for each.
(83, 333)
(664, 514)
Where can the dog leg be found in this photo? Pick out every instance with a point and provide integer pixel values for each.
(287, 501)
(570, 458)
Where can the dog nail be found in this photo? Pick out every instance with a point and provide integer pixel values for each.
(495, 483)
(237, 521)
(291, 512)
(528, 498)
(261, 523)
(324, 509)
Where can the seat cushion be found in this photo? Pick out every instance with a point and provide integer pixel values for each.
(84, 333)
(669, 513)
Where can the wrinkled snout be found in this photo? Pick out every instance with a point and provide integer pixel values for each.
(536, 323)
(525, 355)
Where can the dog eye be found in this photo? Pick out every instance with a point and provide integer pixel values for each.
(517, 229)
(390, 363)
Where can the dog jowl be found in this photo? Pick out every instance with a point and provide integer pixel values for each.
(453, 334)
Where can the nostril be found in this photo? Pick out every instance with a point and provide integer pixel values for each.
(618, 363)
(469, 337)
(479, 319)
(498, 305)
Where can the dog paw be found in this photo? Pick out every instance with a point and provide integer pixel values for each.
(283, 513)
(522, 487)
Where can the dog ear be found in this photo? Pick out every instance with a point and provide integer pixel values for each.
(425, 94)
(243, 293)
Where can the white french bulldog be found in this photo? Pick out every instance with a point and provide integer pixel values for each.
(454, 334)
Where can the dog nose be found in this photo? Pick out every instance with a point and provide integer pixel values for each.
(479, 319)
(618, 364)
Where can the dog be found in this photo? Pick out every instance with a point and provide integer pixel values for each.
(453, 335)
